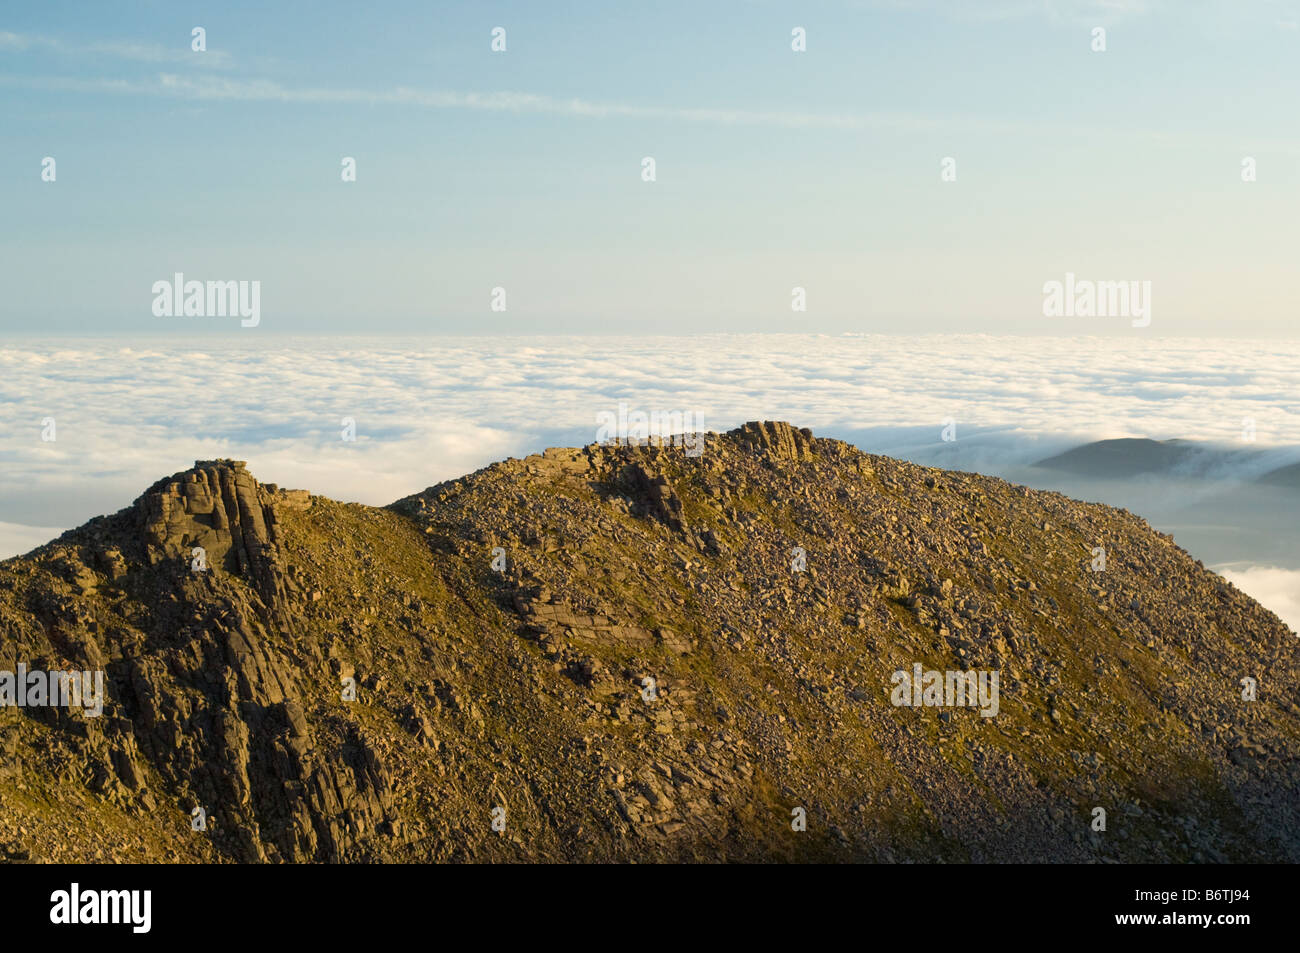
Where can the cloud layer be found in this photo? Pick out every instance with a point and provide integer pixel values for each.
(432, 409)
(427, 410)
(1279, 589)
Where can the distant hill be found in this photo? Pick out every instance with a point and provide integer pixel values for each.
(677, 657)
(1125, 457)
(1129, 457)
(1283, 476)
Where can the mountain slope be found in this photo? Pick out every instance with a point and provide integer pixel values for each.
(676, 654)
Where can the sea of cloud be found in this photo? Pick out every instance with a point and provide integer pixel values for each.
(1271, 586)
(434, 408)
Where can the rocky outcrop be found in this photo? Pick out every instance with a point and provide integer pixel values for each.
(777, 439)
(653, 495)
(205, 694)
(217, 517)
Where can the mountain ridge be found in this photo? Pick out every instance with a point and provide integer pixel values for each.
(637, 654)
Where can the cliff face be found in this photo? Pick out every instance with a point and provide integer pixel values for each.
(631, 653)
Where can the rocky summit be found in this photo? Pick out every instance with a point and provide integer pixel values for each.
(641, 653)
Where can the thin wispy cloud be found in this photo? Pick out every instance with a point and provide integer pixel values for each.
(217, 89)
(510, 101)
(132, 51)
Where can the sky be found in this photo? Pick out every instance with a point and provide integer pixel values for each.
(774, 169)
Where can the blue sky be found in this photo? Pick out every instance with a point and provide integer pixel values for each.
(775, 169)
